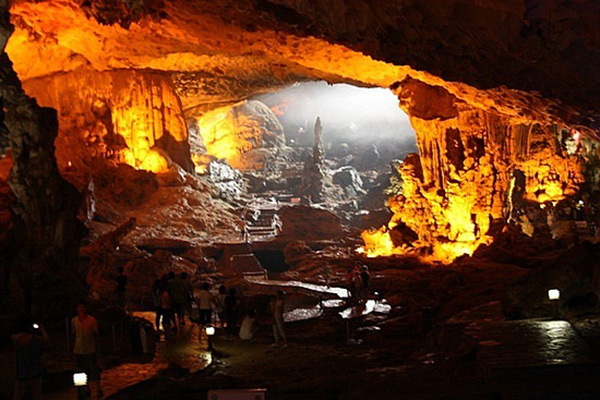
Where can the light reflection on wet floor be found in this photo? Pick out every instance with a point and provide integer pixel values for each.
(187, 351)
(529, 343)
(337, 291)
(183, 349)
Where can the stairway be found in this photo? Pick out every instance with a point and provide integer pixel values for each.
(249, 266)
(261, 222)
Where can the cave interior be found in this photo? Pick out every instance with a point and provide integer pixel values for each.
(450, 148)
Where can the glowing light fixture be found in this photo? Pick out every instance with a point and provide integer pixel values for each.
(553, 294)
(80, 379)
(210, 330)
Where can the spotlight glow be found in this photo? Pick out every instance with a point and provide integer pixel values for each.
(553, 294)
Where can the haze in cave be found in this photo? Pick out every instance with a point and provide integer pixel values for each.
(277, 199)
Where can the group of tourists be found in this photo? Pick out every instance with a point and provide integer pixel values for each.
(174, 299)
(358, 280)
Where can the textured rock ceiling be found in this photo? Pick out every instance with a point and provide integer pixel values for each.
(537, 60)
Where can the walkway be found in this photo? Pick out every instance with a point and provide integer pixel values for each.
(184, 350)
(321, 289)
(536, 359)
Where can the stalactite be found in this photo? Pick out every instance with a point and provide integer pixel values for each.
(126, 116)
(466, 175)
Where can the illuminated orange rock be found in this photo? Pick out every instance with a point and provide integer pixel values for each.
(125, 116)
(470, 75)
(216, 46)
(461, 181)
(237, 133)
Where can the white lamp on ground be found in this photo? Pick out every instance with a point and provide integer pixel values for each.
(210, 331)
(554, 294)
(80, 379)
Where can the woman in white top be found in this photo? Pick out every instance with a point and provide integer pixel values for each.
(205, 302)
(247, 330)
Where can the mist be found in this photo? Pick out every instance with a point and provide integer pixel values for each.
(349, 114)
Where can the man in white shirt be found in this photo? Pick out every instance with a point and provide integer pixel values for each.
(85, 329)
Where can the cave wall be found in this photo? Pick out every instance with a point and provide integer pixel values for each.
(41, 253)
(492, 54)
(465, 175)
(127, 116)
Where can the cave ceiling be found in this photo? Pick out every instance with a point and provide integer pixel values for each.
(526, 59)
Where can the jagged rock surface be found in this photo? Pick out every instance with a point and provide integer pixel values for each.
(46, 230)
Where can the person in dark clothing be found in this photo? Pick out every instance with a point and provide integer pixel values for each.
(219, 304)
(166, 308)
(232, 304)
(28, 340)
(155, 294)
(366, 281)
(121, 287)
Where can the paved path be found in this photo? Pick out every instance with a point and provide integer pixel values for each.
(536, 360)
(529, 343)
(322, 289)
(184, 350)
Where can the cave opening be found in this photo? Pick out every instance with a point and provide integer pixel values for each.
(271, 138)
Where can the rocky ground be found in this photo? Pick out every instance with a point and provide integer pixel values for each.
(436, 342)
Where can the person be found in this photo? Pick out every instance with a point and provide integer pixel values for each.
(188, 296)
(365, 281)
(232, 305)
(205, 302)
(85, 329)
(155, 294)
(219, 303)
(28, 341)
(247, 329)
(276, 308)
(357, 286)
(177, 290)
(350, 283)
(121, 287)
(166, 307)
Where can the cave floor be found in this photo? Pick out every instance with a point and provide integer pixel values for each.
(513, 360)
(467, 351)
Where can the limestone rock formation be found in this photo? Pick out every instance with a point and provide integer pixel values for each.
(489, 86)
(247, 135)
(458, 185)
(309, 223)
(349, 179)
(131, 117)
(576, 274)
(46, 231)
(550, 47)
(313, 175)
(228, 181)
